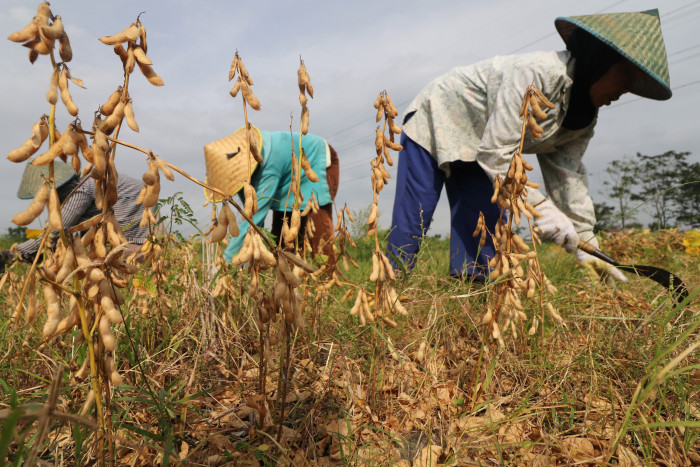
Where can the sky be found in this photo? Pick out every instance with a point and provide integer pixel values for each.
(352, 51)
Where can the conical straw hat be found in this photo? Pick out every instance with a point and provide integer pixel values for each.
(229, 162)
(637, 37)
(34, 176)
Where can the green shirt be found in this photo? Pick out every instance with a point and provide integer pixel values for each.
(272, 179)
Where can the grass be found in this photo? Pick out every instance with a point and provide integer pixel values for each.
(564, 396)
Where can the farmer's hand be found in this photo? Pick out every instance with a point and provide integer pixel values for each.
(555, 227)
(598, 270)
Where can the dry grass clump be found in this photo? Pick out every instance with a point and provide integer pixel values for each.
(556, 400)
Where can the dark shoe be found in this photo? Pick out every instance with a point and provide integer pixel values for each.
(6, 259)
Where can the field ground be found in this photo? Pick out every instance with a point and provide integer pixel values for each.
(432, 391)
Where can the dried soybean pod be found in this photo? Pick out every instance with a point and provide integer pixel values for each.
(289, 276)
(249, 196)
(219, 232)
(248, 95)
(267, 258)
(151, 175)
(73, 318)
(54, 151)
(152, 192)
(55, 221)
(23, 152)
(53, 311)
(64, 48)
(29, 32)
(31, 299)
(83, 145)
(387, 267)
(130, 60)
(65, 94)
(393, 127)
(111, 122)
(542, 98)
(98, 243)
(253, 144)
(113, 315)
(306, 165)
(391, 144)
(99, 163)
(69, 142)
(111, 371)
(234, 67)
(35, 207)
(150, 74)
(142, 194)
(358, 303)
(142, 36)
(129, 114)
(108, 339)
(378, 141)
(231, 220)
(243, 72)
(302, 75)
(140, 55)
(163, 166)
(55, 30)
(108, 107)
(234, 90)
(52, 94)
(536, 109)
(121, 52)
(304, 120)
(373, 213)
(391, 110)
(302, 99)
(294, 224)
(131, 33)
(535, 129)
(374, 276)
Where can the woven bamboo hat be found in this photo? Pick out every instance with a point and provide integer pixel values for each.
(34, 176)
(228, 161)
(637, 37)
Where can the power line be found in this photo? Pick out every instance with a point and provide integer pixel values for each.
(667, 17)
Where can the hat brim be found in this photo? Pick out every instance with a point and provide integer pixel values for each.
(648, 84)
(229, 162)
(33, 177)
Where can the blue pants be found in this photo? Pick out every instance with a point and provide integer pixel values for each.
(418, 186)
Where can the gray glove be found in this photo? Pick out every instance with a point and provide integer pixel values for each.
(598, 270)
(555, 227)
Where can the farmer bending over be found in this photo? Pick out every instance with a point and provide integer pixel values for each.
(228, 161)
(79, 207)
(464, 127)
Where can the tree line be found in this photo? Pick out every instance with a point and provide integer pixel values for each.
(665, 186)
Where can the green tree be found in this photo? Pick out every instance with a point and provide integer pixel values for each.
(622, 180)
(661, 175)
(688, 196)
(604, 216)
(13, 235)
